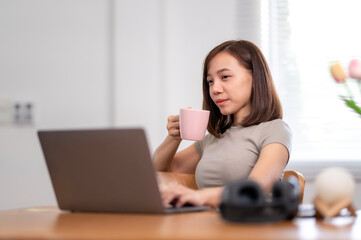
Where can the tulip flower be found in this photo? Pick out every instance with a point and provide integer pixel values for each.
(355, 69)
(338, 73)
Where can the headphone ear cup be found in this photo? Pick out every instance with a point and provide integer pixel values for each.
(278, 193)
(286, 197)
(294, 196)
(242, 201)
(243, 193)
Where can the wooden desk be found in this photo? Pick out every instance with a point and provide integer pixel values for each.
(50, 223)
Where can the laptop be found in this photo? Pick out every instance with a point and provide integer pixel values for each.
(103, 170)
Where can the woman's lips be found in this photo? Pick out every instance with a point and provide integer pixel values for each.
(221, 102)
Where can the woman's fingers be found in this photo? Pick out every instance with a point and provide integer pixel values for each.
(191, 198)
(173, 118)
(181, 195)
(169, 194)
(173, 122)
(173, 126)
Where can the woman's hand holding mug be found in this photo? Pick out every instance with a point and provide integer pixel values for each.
(173, 127)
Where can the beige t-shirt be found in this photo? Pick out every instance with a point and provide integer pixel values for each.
(234, 155)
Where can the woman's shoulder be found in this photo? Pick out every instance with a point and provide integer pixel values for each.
(274, 128)
(273, 125)
(276, 123)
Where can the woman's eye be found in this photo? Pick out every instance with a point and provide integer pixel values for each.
(225, 76)
(210, 82)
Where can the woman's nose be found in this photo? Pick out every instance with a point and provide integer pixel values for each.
(217, 88)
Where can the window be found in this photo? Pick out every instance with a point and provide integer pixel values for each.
(301, 41)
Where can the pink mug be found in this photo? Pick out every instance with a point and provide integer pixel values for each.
(193, 123)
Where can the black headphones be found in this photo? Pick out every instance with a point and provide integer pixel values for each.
(244, 201)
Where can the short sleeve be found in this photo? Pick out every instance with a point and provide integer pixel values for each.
(277, 131)
(200, 145)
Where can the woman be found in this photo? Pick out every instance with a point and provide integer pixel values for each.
(247, 138)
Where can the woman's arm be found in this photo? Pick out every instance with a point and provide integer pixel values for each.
(163, 156)
(166, 157)
(182, 195)
(167, 160)
(270, 165)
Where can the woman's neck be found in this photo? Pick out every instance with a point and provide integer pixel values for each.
(239, 116)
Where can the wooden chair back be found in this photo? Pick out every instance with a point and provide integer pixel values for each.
(169, 178)
(300, 178)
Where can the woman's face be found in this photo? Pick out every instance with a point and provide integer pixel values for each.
(230, 86)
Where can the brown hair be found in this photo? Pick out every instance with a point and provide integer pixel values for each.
(265, 103)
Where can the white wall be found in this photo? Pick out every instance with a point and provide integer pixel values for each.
(138, 82)
(54, 54)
